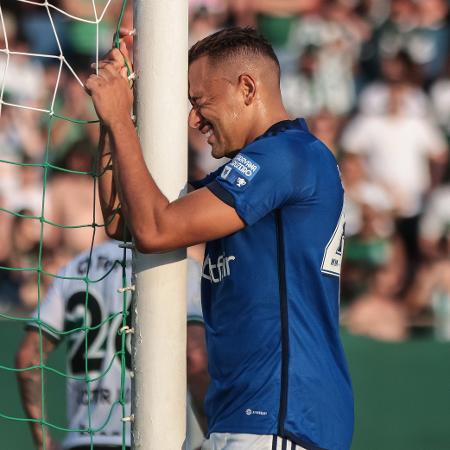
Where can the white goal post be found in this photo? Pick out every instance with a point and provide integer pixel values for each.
(159, 348)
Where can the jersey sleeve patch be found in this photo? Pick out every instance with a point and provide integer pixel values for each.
(240, 171)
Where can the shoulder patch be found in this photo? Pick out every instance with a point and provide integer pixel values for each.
(240, 171)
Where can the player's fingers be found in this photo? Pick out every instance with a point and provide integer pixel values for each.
(124, 73)
(114, 68)
(91, 87)
(126, 55)
(108, 56)
(109, 70)
(96, 81)
(116, 55)
(91, 84)
(106, 63)
(108, 73)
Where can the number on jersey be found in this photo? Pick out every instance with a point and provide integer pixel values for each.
(102, 334)
(332, 257)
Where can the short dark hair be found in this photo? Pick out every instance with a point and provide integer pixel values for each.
(233, 42)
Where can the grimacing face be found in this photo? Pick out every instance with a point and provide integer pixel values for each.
(217, 108)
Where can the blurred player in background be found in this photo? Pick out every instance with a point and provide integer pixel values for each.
(63, 310)
(273, 221)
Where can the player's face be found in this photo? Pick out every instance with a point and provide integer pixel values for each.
(217, 108)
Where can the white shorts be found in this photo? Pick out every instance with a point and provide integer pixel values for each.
(240, 441)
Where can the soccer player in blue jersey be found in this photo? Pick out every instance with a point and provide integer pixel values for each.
(272, 219)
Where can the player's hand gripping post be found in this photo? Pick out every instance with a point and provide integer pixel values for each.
(110, 89)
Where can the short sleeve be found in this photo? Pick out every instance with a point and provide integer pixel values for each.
(51, 311)
(260, 179)
(197, 184)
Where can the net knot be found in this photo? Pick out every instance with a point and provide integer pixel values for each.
(126, 330)
(122, 290)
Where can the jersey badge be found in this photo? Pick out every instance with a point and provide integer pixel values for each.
(240, 170)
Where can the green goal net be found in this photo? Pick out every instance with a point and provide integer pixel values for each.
(85, 20)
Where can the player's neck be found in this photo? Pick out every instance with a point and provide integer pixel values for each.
(266, 119)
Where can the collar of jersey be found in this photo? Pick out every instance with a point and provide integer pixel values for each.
(279, 127)
(284, 125)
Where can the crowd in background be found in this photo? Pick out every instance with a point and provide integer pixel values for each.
(372, 78)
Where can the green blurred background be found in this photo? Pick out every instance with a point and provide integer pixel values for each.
(402, 393)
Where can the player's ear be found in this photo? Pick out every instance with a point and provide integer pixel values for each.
(248, 88)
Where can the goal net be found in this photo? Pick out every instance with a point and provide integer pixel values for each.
(48, 176)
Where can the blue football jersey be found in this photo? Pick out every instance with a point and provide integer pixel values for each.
(270, 294)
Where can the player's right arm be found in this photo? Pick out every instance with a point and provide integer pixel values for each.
(112, 209)
(115, 225)
(30, 383)
(156, 224)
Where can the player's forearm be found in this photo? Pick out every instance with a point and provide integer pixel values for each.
(142, 201)
(109, 198)
(30, 388)
(30, 391)
(198, 387)
(30, 382)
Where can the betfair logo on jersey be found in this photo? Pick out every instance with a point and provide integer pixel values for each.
(240, 171)
(218, 271)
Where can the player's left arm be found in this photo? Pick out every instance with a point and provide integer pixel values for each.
(30, 383)
(197, 370)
